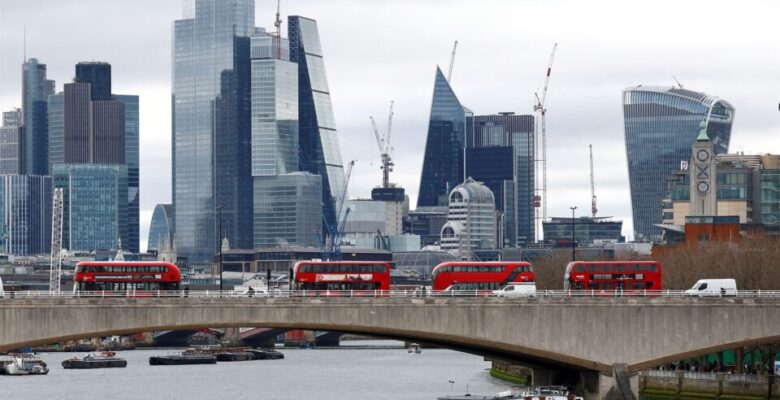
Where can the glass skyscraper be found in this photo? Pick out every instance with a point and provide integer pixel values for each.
(161, 226)
(288, 210)
(25, 214)
(131, 240)
(35, 92)
(318, 140)
(89, 224)
(443, 162)
(11, 143)
(661, 124)
(210, 110)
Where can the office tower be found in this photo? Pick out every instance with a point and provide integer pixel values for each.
(281, 217)
(25, 214)
(501, 156)
(89, 224)
(443, 162)
(12, 143)
(35, 92)
(471, 220)
(661, 124)
(588, 231)
(210, 106)
(98, 75)
(161, 226)
(427, 222)
(318, 140)
(131, 240)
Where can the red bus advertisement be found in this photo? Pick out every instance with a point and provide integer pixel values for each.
(126, 275)
(612, 275)
(341, 275)
(490, 275)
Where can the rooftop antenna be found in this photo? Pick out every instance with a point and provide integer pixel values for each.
(678, 82)
(452, 61)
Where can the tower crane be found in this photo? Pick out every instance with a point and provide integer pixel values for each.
(278, 36)
(342, 214)
(385, 149)
(593, 208)
(540, 106)
(55, 264)
(452, 61)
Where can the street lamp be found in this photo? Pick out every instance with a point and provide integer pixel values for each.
(219, 246)
(572, 232)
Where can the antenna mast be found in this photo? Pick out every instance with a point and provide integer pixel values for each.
(452, 61)
(593, 208)
(541, 108)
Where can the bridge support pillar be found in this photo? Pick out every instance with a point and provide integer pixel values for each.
(619, 386)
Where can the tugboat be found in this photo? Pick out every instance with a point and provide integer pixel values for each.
(103, 359)
(24, 364)
(187, 357)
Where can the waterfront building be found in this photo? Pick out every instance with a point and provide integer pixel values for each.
(318, 139)
(12, 143)
(35, 92)
(443, 158)
(471, 220)
(25, 214)
(501, 155)
(89, 224)
(211, 127)
(288, 210)
(161, 226)
(661, 123)
(588, 231)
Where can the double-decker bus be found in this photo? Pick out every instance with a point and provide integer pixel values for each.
(126, 275)
(612, 275)
(341, 275)
(489, 275)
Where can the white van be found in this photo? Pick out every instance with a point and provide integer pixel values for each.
(517, 289)
(713, 287)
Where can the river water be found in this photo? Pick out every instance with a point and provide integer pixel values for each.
(316, 374)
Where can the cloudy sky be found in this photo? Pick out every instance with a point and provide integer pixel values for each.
(380, 50)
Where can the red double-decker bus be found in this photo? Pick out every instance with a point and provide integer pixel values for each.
(612, 275)
(341, 275)
(489, 275)
(126, 275)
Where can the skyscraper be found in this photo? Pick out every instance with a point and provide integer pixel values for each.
(661, 124)
(35, 92)
(25, 214)
(443, 162)
(131, 240)
(98, 75)
(318, 139)
(12, 143)
(161, 226)
(471, 220)
(209, 102)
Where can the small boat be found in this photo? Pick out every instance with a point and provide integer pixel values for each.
(187, 357)
(547, 393)
(470, 396)
(414, 348)
(103, 359)
(24, 364)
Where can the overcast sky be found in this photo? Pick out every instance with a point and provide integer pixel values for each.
(376, 51)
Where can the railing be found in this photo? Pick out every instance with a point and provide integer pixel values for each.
(277, 293)
(707, 376)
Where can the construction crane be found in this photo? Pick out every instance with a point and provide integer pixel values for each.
(385, 149)
(341, 215)
(452, 61)
(593, 208)
(541, 108)
(278, 37)
(55, 264)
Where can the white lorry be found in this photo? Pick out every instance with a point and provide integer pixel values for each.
(517, 289)
(713, 287)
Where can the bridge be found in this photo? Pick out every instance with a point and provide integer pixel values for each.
(601, 341)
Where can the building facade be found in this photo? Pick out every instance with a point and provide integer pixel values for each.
(207, 81)
(161, 226)
(426, 222)
(443, 159)
(132, 240)
(661, 124)
(25, 214)
(12, 143)
(588, 231)
(35, 92)
(471, 220)
(288, 210)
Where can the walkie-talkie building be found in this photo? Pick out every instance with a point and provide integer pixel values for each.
(661, 123)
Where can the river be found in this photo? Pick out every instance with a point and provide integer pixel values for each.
(316, 374)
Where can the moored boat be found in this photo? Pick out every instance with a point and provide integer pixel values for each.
(103, 359)
(187, 357)
(234, 356)
(266, 354)
(24, 364)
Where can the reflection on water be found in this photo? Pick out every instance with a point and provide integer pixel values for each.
(348, 374)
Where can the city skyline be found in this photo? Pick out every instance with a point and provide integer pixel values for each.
(593, 65)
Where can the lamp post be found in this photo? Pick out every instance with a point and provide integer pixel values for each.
(572, 232)
(219, 245)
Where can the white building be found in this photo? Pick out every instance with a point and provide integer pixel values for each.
(471, 220)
